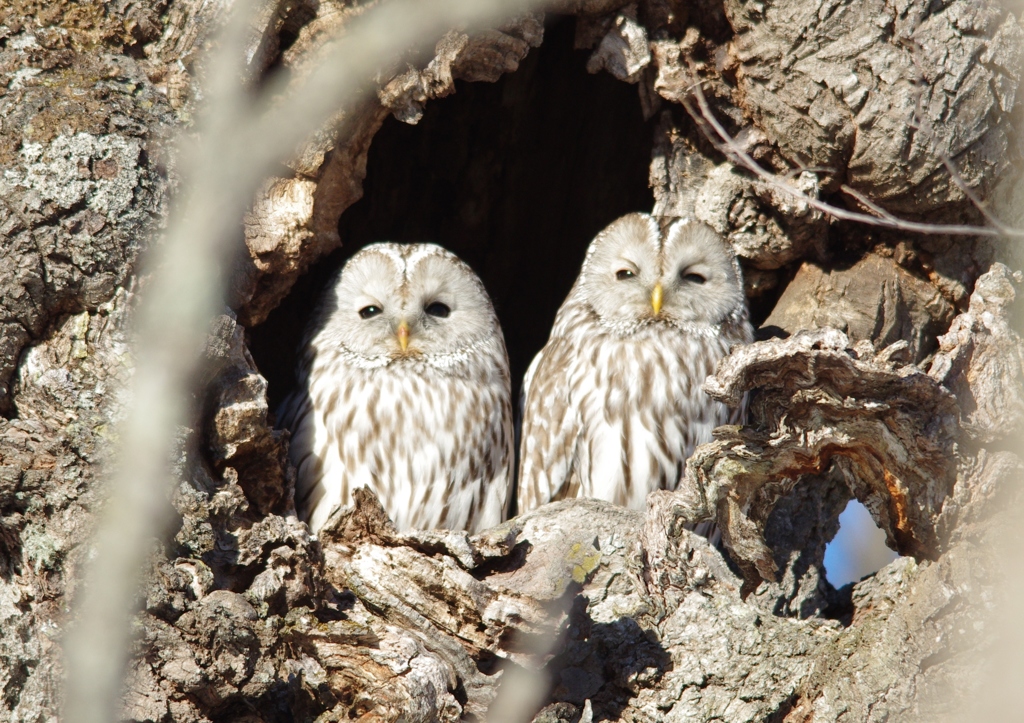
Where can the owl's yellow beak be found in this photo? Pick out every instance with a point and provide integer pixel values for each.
(403, 335)
(656, 294)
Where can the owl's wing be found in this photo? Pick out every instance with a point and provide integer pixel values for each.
(290, 408)
(296, 414)
(550, 430)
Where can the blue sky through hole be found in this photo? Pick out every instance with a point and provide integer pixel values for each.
(858, 549)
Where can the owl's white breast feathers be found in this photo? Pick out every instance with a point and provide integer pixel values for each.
(615, 417)
(435, 447)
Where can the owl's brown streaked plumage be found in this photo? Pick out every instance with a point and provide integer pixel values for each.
(613, 403)
(404, 389)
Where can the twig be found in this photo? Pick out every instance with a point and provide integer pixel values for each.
(871, 205)
(954, 173)
(705, 118)
(922, 123)
(240, 141)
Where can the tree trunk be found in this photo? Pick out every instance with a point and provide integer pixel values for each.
(888, 370)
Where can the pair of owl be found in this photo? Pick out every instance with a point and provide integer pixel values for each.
(405, 388)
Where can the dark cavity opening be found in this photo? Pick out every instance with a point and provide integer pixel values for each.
(516, 177)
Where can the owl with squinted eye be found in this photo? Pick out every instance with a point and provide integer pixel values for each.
(613, 403)
(404, 389)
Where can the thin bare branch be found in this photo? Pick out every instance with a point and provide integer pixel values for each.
(923, 124)
(868, 203)
(954, 173)
(720, 138)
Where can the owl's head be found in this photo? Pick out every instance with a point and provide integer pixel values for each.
(635, 274)
(406, 301)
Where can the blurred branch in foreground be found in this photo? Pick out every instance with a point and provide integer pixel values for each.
(239, 140)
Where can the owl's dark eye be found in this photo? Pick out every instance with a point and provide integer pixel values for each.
(623, 274)
(368, 312)
(437, 309)
(693, 278)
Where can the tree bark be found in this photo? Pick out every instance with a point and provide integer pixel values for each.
(889, 370)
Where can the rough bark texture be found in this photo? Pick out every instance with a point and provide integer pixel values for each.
(898, 381)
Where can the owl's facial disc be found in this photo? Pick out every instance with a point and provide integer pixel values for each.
(415, 302)
(634, 279)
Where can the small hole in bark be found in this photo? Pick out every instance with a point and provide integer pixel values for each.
(487, 662)
(504, 564)
(460, 693)
(516, 177)
(858, 549)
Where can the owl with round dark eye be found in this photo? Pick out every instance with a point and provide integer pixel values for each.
(404, 389)
(613, 403)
